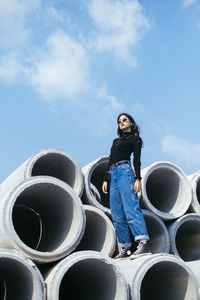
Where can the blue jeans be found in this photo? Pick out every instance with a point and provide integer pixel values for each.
(124, 203)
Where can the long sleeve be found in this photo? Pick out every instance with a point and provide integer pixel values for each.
(136, 157)
(107, 174)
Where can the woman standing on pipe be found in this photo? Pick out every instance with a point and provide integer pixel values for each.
(124, 186)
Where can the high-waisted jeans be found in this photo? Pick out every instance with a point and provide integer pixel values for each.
(124, 203)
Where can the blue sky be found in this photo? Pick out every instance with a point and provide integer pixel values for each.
(69, 67)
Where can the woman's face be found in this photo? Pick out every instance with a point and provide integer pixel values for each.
(124, 123)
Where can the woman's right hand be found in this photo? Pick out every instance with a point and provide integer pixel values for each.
(105, 187)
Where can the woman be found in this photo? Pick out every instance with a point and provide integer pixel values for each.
(124, 186)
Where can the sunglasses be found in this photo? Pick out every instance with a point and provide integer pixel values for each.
(123, 120)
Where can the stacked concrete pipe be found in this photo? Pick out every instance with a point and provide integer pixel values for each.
(43, 218)
(99, 234)
(195, 185)
(159, 237)
(166, 190)
(86, 275)
(48, 162)
(155, 277)
(93, 178)
(19, 278)
(185, 237)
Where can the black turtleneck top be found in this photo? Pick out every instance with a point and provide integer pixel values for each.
(122, 148)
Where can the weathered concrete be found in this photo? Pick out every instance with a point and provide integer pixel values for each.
(159, 276)
(93, 177)
(195, 267)
(166, 190)
(86, 275)
(43, 218)
(99, 233)
(185, 237)
(195, 185)
(159, 237)
(48, 162)
(19, 278)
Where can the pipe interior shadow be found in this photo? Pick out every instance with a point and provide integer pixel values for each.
(43, 216)
(162, 189)
(166, 280)
(188, 240)
(88, 280)
(15, 280)
(157, 235)
(55, 165)
(97, 177)
(95, 232)
(198, 191)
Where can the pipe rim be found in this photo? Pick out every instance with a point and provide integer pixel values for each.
(87, 178)
(176, 226)
(162, 225)
(37, 278)
(110, 233)
(155, 259)
(195, 181)
(64, 265)
(35, 157)
(172, 167)
(40, 256)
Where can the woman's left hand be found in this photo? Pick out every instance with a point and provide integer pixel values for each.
(137, 186)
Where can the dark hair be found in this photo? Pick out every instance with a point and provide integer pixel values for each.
(134, 127)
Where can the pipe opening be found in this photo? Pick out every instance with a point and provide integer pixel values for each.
(97, 177)
(188, 240)
(15, 280)
(166, 280)
(158, 236)
(55, 165)
(89, 279)
(43, 217)
(95, 232)
(198, 190)
(162, 189)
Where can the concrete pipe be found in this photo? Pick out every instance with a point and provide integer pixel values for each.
(166, 190)
(19, 278)
(43, 218)
(155, 277)
(195, 267)
(195, 185)
(93, 178)
(99, 233)
(185, 237)
(86, 275)
(159, 237)
(48, 162)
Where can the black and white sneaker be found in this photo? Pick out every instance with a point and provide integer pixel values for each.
(142, 249)
(124, 253)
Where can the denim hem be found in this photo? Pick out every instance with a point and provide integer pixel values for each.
(125, 245)
(141, 237)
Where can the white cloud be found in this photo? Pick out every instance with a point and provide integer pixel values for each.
(104, 111)
(62, 70)
(14, 15)
(112, 103)
(121, 25)
(181, 149)
(187, 3)
(10, 67)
